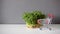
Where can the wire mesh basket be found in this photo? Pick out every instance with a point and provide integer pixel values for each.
(45, 23)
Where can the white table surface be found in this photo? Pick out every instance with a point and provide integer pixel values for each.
(22, 29)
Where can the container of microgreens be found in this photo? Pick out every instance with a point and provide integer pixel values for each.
(31, 18)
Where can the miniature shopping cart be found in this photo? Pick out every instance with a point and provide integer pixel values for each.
(46, 22)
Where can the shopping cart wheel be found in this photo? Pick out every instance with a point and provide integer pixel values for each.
(49, 28)
(40, 28)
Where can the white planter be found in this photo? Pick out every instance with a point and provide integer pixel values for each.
(45, 21)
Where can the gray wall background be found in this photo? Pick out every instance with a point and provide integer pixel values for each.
(11, 10)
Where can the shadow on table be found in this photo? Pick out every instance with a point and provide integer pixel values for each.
(56, 20)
